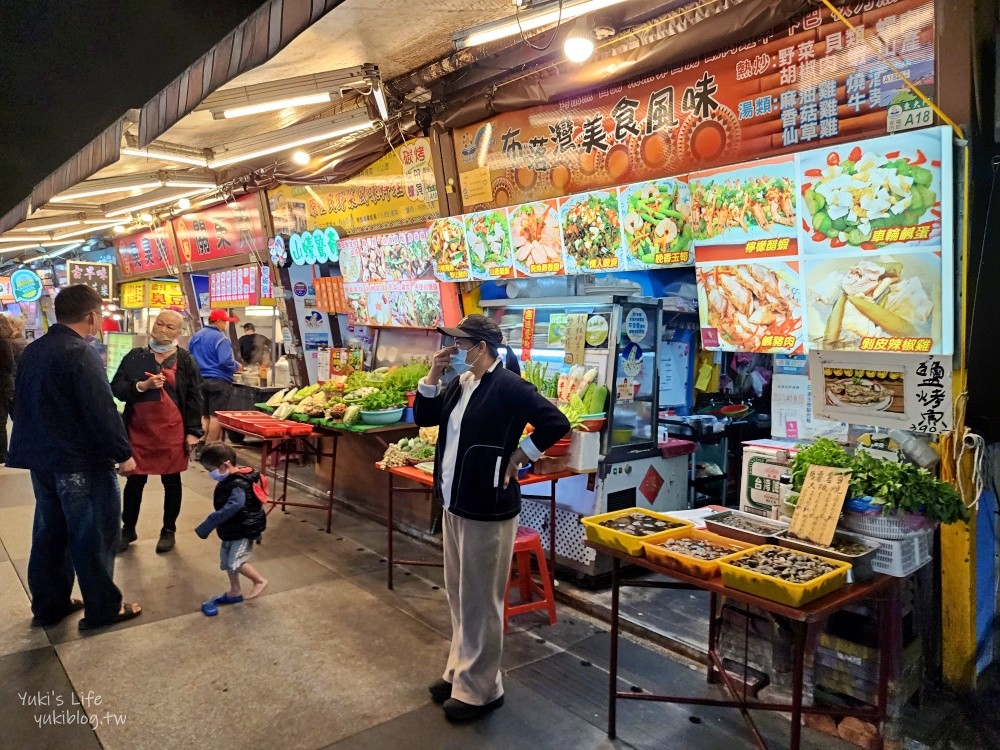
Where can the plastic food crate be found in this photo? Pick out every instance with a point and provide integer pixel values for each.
(685, 563)
(901, 557)
(627, 543)
(777, 590)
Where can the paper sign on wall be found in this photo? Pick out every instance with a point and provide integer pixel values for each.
(576, 342)
(908, 391)
(823, 493)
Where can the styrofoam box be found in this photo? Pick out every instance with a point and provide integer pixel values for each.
(764, 462)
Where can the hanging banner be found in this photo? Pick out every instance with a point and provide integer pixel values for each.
(394, 304)
(810, 83)
(392, 192)
(911, 392)
(222, 231)
(151, 250)
(98, 276)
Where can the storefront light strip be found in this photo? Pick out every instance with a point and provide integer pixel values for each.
(529, 21)
(154, 153)
(139, 206)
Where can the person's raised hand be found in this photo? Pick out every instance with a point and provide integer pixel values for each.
(441, 361)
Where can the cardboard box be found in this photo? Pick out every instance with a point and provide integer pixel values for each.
(764, 461)
(584, 451)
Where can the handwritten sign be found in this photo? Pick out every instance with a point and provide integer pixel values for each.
(823, 493)
(528, 333)
(576, 341)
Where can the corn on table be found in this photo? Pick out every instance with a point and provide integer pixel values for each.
(427, 487)
(884, 589)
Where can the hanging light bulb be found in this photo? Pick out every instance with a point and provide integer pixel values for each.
(146, 217)
(184, 204)
(579, 45)
(300, 157)
(120, 229)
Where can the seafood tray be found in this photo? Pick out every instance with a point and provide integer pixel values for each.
(770, 586)
(861, 563)
(686, 563)
(720, 523)
(631, 543)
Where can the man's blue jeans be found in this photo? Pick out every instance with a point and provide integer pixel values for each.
(77, 528)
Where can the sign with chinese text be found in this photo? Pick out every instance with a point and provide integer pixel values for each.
(809, 83)
(98, 276)
(656, 218)
(398, 256)
(169, 294)
(151, 250)
(394, 304)
(449, 248)
(868, 265)
(824, 491)
(488, 236)
(317, 246)
(536, 237)
(26, 285)
(330, 295)
(393, 192)
(240, 287)
(220, 232)
(133, 295)
(912, 392)
(527, 333)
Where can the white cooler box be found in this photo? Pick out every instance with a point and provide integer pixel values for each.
(764, 461)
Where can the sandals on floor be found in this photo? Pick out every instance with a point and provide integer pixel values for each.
(130, 611)
(211, 607)
(75, 605)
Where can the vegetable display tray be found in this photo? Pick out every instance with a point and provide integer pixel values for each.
(262, 425)
(717, 523)
(693, 566)
(628, 543)
(861, 565)
(778, 590)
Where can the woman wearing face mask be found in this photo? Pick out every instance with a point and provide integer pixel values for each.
(161, 387)
(482, 415)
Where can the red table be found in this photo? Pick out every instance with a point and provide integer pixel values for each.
(427, 487)
(883, 588)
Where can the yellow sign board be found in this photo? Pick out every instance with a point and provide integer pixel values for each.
(166, 294)
(398, 190)
(132, 296)
(476, 186)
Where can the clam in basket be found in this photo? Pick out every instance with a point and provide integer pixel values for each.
(631, 543)
(778, 589)
(685, 563)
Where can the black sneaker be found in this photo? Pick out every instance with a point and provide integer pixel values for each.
(456, 710)
(166, 542)
(128, 536)
(440, 691)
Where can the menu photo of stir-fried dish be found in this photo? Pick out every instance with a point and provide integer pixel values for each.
(748, 211)
(866, 389)
(751, 307)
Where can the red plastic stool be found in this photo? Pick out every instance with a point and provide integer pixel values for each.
(527, 543)
(278, 453)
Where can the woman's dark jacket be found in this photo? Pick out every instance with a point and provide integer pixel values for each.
(495, 418)
(187, 396)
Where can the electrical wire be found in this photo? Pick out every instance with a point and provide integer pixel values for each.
(555, 30)
(982, 252)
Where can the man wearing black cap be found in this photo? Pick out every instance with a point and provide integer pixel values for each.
(475, 478)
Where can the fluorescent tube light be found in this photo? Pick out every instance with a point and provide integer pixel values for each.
(379, 95)
(106, 186)
(529, 21)
(296, 101)
(164, 155)
(85, 230)
(15, 248)
(155, 198)
(289, 138)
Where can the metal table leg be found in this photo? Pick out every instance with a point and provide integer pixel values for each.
(613, 666)
(800, 632)
(333, 478)
(388, 554)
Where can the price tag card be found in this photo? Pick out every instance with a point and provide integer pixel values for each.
(820, 502)
(576, 342)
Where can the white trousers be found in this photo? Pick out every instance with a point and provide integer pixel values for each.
(476, 567)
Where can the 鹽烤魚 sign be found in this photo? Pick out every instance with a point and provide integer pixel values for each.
(810, 83)
(240, 287)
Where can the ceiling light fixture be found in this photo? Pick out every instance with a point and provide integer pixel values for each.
(57, 253)
(85, 230)
(184, 204)
(120, 229)
(318, 88)
(145, 217)
(378, 93)
(154, 198)
(300, 157)
(579, 45)
(162, 153)
(110, 185)
(536, 18)
(290, 137)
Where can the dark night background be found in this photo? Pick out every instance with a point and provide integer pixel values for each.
(70, 67)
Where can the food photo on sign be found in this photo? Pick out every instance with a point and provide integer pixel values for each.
(537, 239)
(489, 243)
(449, 249)
(592, 232)
(656, 218)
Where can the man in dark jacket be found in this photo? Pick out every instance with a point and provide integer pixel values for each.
(482, 415)
(68, 432)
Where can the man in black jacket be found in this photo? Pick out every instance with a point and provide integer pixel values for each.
(68, 432)
(482, 415)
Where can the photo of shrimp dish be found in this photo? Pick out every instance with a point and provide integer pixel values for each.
(718, 207)
(747, 303)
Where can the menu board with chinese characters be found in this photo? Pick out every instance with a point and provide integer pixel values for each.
(240, 287)
(449, 249)
(133, 295)
(820, 502)
(98, 276)
(167, 294)
(222, 231)
(148, 251)
(118, 345)
(807, 83)
(911, 392)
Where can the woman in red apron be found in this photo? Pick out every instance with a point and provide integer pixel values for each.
(161, 387)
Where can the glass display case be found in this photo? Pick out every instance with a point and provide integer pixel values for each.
(620, 340)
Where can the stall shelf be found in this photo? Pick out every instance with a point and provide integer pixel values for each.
(803, 620)
(426, 482)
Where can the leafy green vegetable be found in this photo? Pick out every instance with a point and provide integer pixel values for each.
(406, 377)
(823, 452)
(389, 398)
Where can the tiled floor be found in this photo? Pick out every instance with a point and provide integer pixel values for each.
(327, 658)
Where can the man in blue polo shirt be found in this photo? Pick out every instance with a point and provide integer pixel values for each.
(213, 351)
